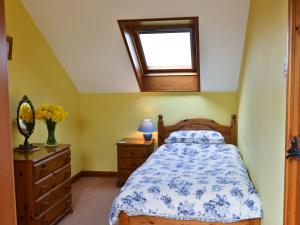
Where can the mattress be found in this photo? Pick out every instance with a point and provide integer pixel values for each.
(185, 181)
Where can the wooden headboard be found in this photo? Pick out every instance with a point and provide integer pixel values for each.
(229, 132)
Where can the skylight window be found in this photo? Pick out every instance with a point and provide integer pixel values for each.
(167, 50)
(164, 53)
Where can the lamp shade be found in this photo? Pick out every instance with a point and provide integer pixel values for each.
(147, 126)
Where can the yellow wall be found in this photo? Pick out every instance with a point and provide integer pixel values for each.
(36, 72)
(107, 118)
(262, 103)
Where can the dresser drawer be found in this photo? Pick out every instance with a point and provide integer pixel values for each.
(132, 152)
(47, 200)
(130, 163)
(55, 211)
(51, 164)
(52, 180)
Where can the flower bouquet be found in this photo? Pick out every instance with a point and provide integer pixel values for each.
(51, 114)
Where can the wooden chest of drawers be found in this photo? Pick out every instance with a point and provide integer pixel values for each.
(132, 155)
(43, 185)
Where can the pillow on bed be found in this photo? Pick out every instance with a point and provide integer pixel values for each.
(195, 137)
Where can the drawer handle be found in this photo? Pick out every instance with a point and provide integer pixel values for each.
(68, 188)
(44, 169)
(44, 187)
(68, 201)
(67, 158)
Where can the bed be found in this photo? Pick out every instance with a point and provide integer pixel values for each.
(190, 184)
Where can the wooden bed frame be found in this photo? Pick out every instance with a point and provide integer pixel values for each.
(228, 132)
(230, 135)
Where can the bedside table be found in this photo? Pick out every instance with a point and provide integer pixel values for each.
(132, 155)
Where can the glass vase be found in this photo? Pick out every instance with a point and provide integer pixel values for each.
(51, 141)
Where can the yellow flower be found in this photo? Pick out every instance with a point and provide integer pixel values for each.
(25, 113)
(51, 112)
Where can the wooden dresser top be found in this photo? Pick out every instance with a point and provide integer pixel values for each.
(40, 154)
(135, 142)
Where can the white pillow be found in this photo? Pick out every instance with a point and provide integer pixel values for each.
(195, 137)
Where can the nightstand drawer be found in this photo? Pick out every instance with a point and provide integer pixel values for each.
(130, 163)
(132, 152)
(123, 174)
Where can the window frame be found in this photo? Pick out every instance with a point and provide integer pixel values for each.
(146, 77)
(136, 34)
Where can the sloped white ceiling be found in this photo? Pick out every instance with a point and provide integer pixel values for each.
(85, 36)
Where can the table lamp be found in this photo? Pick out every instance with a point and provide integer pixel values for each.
(147, 127)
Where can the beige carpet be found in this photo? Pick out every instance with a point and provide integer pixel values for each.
(92, 199)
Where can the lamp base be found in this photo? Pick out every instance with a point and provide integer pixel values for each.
(147, 136)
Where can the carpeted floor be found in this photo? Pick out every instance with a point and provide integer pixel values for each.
(92, 199)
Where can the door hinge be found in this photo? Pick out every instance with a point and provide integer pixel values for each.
(294, 151)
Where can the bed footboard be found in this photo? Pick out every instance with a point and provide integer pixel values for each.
(124, 219)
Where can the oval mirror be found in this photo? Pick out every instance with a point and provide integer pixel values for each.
(26, 121)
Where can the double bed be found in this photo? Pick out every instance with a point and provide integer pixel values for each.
(190, 182)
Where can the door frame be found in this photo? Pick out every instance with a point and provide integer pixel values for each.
(292, 166)
(7, 191)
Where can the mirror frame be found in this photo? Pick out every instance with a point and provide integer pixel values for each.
(26, 146)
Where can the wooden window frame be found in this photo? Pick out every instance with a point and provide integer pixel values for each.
(186, 80)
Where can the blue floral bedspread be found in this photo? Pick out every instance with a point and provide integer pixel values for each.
(206, 183)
